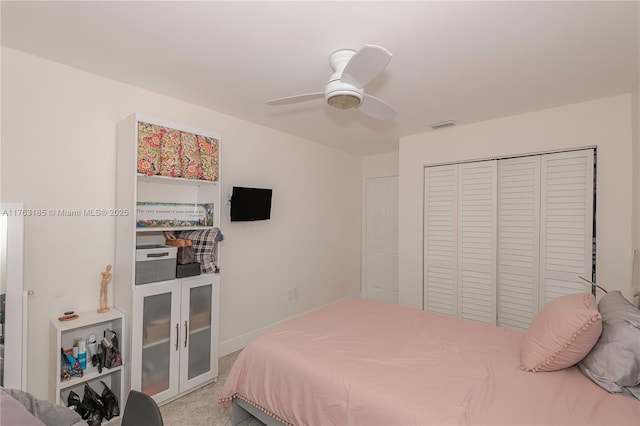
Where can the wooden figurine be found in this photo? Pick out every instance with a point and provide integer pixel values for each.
(104, 286)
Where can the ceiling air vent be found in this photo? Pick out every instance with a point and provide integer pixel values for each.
(442, 124)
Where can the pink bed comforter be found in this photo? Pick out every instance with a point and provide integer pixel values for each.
(360, 362)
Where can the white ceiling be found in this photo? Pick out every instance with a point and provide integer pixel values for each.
(466, 61)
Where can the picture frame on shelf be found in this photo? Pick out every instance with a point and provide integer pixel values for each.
(173, 215)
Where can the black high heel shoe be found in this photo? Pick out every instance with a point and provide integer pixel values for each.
(73, 402)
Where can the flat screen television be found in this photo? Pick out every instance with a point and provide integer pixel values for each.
(249, 204)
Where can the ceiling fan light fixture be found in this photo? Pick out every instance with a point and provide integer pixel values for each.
(345, 88)
(344, 101)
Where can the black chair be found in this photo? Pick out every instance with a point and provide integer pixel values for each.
(141, 410)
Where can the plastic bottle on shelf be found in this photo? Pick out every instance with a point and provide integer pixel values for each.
(92, 346)
(82, 354)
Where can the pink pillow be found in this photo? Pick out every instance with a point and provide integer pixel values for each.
(562, 333)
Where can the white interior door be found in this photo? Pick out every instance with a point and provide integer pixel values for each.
(13, 330)
(381, 239)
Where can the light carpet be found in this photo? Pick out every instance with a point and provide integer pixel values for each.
(200, 407)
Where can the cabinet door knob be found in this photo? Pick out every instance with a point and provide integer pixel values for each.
(177, 335)
(186, 333)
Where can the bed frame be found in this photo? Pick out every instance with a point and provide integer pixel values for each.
(242, 411)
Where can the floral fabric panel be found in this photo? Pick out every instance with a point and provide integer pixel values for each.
(191, 165)
(208, 148)
(170, 153)
(148, 150)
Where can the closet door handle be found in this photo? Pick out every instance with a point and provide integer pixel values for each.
(186, 333)
(177, 335)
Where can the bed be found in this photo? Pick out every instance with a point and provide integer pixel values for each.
(362, 362)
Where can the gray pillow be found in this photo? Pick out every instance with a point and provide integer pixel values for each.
(614, 361)
(14, 413)
(46, 411)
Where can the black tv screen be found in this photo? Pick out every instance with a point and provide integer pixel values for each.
(248, 204)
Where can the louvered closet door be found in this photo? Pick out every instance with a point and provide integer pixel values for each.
(518, 241)
(477, 186)
(504, 237)
(440, 239)
(566, 222)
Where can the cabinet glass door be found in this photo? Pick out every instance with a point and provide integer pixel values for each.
(155, 344)
(198, 361)
(199, 340)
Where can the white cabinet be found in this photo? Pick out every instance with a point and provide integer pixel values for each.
(165, 360)
(63, 334)
(174, 340)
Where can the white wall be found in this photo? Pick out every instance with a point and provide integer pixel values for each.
(605, 123)
(58, 151)
(380, 165)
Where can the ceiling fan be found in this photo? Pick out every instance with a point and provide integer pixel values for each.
(345, 88)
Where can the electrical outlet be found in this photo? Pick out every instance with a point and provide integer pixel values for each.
(293, 293)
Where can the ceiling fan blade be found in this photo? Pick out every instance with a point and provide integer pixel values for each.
(294, 99)
(365, 65)
(377, 108)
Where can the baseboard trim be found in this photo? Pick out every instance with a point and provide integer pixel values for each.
(236, 343)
